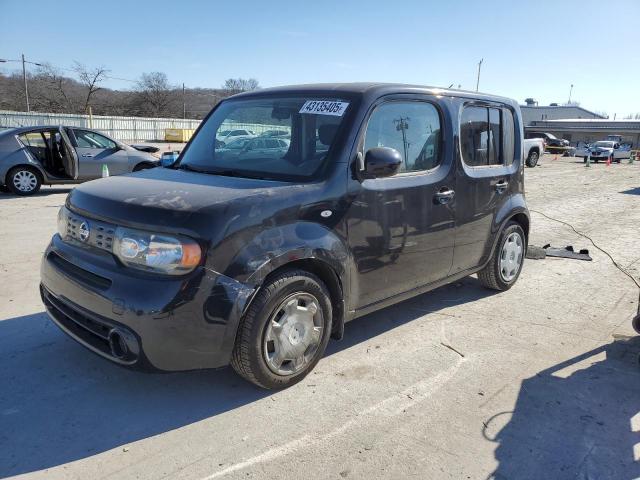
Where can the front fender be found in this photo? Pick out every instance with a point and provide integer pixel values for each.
(277, 246)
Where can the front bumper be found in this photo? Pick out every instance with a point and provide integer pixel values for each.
(166, 323)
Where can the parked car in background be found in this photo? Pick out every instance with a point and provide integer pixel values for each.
(257, 261)
(552, 143)
(233, 148)
(226, 136)
(533, 148)
(608, 150)
(53, 155)
(275, 133)
(267, 148)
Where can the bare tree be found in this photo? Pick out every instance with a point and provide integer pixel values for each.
(237, 85)
(90, 78)
(55, 92)
(156, 94)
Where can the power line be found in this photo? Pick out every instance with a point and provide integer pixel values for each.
(46, 64)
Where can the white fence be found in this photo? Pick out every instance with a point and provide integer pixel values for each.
(120, 128)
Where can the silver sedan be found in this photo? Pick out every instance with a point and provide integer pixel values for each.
(53, 155)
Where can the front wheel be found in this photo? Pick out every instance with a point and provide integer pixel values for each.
(284, 332)
(503, 270)
(532, 159)
(24, 181)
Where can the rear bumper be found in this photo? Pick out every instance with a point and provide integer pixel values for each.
(165, 323)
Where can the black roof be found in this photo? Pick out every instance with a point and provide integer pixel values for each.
(374, 89)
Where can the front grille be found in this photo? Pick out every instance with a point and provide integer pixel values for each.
(100, 233)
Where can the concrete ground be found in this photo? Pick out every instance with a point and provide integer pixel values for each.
(458, 383)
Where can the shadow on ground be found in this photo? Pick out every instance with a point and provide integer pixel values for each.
(577, 420)
(632, 191)
(60, 403)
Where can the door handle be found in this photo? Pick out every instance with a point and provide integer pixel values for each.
(444, 196)
(87, 155)
(501, 186)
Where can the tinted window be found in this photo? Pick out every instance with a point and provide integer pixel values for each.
(412, 128)
(271, 143)
(474, 136)
(508, 132)
(494, 137)
(484, 138)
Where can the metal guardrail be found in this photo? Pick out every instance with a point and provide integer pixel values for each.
(120, 128)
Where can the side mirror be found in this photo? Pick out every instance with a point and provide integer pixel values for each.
(380, 162)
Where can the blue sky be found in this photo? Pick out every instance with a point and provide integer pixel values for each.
(530, 48)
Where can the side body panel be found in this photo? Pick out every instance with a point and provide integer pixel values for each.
(481, 196)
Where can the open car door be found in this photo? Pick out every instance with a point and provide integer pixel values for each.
(70, 158)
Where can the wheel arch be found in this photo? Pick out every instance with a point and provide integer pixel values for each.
(329, 276)
(523, 220)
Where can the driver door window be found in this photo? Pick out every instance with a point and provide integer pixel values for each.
(88, 139)
(412, 128)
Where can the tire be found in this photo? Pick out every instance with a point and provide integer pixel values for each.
(532, 158)
(493, 274)
(255, 357)
(24, 181)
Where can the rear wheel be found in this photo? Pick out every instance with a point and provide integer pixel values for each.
(532, 159)
(24, 180)
(285, 331)
(503, 270)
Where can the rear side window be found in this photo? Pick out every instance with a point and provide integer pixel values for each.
(34, 139)
(412, 128)
(508, 136)
(487, 136)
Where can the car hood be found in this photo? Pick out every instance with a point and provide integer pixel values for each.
(178, 200)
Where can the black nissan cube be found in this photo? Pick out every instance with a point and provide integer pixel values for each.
(256, 253)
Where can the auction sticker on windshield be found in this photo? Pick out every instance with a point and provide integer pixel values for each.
(324, 107)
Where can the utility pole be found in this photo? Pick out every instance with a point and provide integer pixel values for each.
(184, 104)
(402, 124)
(570, 92)
(24, 78)
(479, 67)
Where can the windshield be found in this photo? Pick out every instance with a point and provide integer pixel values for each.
(306, 130)
(603, 144)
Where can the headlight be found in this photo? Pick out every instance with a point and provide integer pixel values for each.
(156, 252)
(62, 222)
